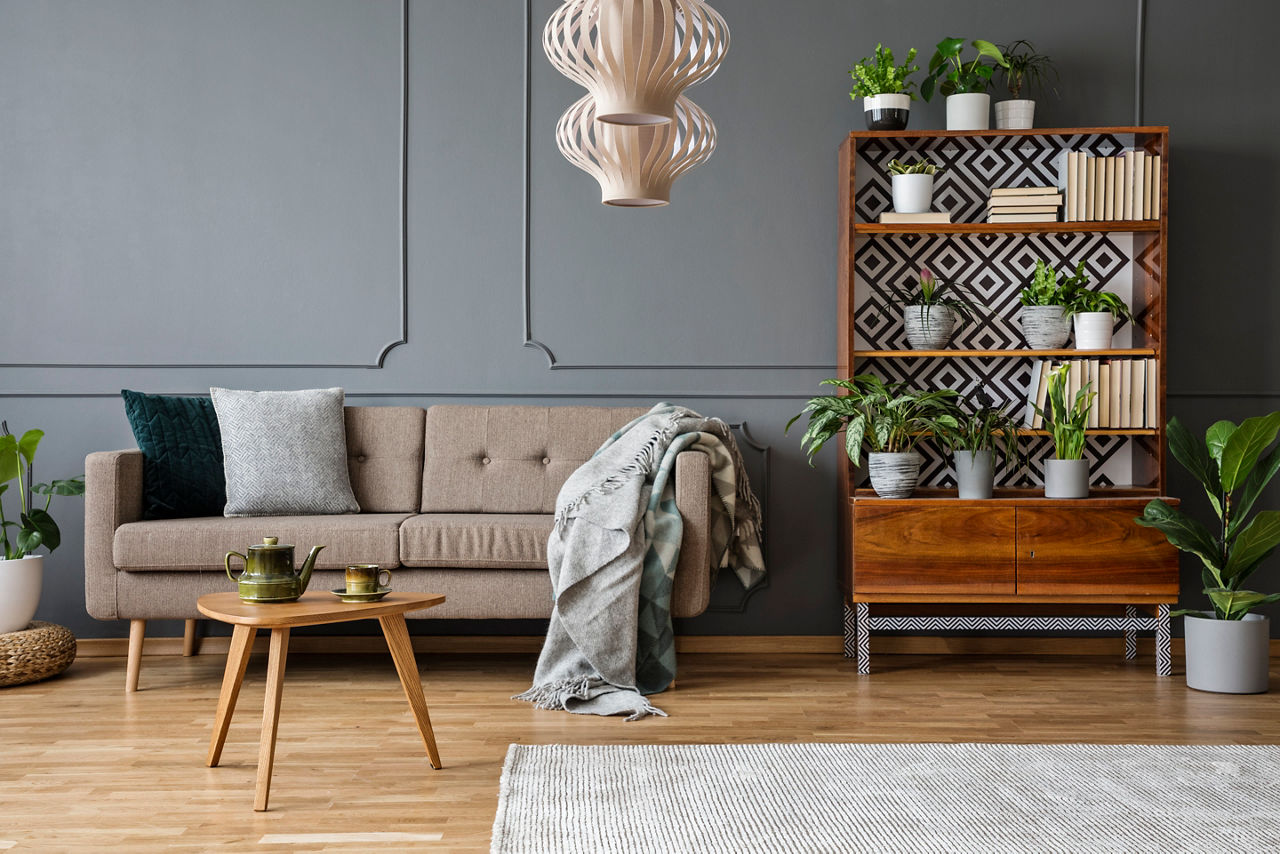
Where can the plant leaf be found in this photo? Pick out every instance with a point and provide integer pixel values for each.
(1235, 604)
(986, 48)
(8, 458)
(1258, 480)
(949, 47)
(28, 540)
(854, 432)
(1255, 542)
(1184, 532)
(1194, 457)
(50, 536)
(28, 443)
(1241, 451)
(1216, 437)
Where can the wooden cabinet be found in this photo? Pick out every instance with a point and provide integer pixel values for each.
(934, 549)
(1093, 551)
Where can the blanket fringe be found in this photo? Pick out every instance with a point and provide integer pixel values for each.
(552, 696)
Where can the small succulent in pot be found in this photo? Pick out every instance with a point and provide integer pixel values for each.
(884, 89)
(912, 185)
(1026, 70)
(1045, 318)
(963, 82)
(1095, 314)
(931, 310)
(1066, 475)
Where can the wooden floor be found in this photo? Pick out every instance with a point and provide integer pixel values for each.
(85, 767)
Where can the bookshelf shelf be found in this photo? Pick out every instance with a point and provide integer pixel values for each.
(1134, 226)
(1134, 352)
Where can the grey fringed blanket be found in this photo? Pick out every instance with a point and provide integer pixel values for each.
(613, 556)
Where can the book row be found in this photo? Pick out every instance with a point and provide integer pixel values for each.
(1104, 189)
(1126, 391)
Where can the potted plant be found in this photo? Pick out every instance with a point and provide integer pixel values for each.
(973, 437)
(1227, 650)
(888, 418)
(1046, 325)
(884, 89)
(931, 309)
(22, 569)
(912, 185)
(1066, 475)
(964, 83)
(1095, 314)
(1025, 71)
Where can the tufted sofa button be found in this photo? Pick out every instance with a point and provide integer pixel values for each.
(361, 458)
(546, 461)
(485, 460)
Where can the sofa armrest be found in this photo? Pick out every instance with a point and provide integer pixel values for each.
(113, 497)
(692, 587)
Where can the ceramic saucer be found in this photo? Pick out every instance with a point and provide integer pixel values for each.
(361, 597)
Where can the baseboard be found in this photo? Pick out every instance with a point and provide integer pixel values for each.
(750, 644)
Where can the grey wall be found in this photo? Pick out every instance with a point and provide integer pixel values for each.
(208, 193)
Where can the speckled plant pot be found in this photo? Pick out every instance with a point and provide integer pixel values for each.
(1228, 656)
(894, 475)
(929, 327)
(1045, 327)
(975, 474)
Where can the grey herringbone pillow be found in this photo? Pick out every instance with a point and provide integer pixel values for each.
(284, 452)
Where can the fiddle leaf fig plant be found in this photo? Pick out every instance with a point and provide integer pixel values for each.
(1231, 466)
(952, 75)
(34, 527)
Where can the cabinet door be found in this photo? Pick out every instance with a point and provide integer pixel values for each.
(917, 549)
(1093, 552)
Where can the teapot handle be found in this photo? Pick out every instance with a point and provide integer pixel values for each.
(227, 562)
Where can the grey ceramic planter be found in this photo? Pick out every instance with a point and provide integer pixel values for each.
(975, 474)
(1066, 478)
(894, 475)
(1044, 327)
(929, 327)
(1228, 656)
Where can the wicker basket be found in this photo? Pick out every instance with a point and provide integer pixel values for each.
(37, 652)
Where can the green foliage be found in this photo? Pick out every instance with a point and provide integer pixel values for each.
(1067, 422)
(931, 291)
(1043, 287)
(979, 426)
(34, 527)
(882, 416)
(1026, 68)
(1083, 299)
(956, 76)
(921, 167)
(1232, 459)
(879, 76)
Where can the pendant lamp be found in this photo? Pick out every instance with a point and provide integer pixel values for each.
(635, 57)
(636, 164)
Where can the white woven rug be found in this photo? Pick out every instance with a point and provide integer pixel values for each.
(888, 798)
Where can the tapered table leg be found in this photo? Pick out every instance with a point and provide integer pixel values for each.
(237, 660)
(189, 639)
(271, 714)
(397, 635)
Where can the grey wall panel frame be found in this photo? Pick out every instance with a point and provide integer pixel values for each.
(402, 283)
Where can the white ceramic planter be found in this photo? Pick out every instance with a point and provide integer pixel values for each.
(1228, 656)
(894, 475)
(1015, 114)
(912, 193)
(969, 112)
(1094, 329)
(1044, 327)
(929, 327)
(975, 474)
(1066, 478)
(887, 112)
(20, 582)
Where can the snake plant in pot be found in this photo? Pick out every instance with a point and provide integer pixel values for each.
(974, 435)
(888, 419)
(21, 570)
(1227, 649)
(1046, 324)
(884, 89)
(931, 309)
(1066, 474)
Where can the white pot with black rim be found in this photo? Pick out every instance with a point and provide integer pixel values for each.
(1094, 329)
(886, 112)
(894, 474)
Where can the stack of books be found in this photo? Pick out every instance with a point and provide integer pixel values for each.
(935, 217)
(1105, 189)
(1126, 389)
(1024, 204)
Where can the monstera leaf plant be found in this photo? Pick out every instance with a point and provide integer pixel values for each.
(33, 527)
(1233, 465)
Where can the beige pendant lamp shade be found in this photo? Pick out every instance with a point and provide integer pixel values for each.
(636, 164)
(635, 57)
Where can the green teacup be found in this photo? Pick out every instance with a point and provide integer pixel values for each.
(366, 578)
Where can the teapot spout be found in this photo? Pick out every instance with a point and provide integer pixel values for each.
(304, 577)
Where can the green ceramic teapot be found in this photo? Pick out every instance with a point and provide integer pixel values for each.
(269, 575)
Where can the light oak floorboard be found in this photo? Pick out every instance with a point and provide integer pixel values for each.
(87, 768)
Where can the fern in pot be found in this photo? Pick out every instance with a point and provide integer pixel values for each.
(884, 89)
(1066, 475)
(912, 185)
(931, 310)
(1227, 648)
(974, 436)
(1045, 314)
(887, 419)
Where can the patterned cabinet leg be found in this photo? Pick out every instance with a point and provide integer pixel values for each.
(1130, 635)
(850, 642)
(1164, 659)
(863, 622)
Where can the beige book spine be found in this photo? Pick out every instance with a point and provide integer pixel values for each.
(1117, 202)
(1042, 393)
(1128, 185)
(1117, 366)
(1126, 397)
(1137, 399)
(1153, 394)
(1139, 183)
(1091, 377)
(1109, 189)
(1104, 394)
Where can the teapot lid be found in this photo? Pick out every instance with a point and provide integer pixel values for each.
(270, 543)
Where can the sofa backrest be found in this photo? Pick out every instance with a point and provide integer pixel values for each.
(509, 459)
(384, 457)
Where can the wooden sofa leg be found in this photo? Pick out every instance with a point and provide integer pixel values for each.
(137, 631)
(189, 639)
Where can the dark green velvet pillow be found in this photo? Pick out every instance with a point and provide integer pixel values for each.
(182, 455)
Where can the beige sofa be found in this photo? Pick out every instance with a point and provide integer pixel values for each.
(456, 500)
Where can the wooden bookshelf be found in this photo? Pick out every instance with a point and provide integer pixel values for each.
(1004, 227)
(1133, 352)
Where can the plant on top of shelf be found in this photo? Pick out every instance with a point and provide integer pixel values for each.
(973, 435)
(1066, 475)
(1046, 325)
(912, 184)
(1228, 653)
(887, 418)
(1095, 314)
(931, 309)
(963, 82)
(884, 89)
(1025, 69)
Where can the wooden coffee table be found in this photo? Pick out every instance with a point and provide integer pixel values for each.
(311, 610)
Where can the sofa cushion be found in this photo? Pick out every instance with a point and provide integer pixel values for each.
(384, 457)
(509, 459)
(487, 540)
(201, 543)
(181, 454)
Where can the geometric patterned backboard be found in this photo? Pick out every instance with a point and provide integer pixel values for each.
(992, 267)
